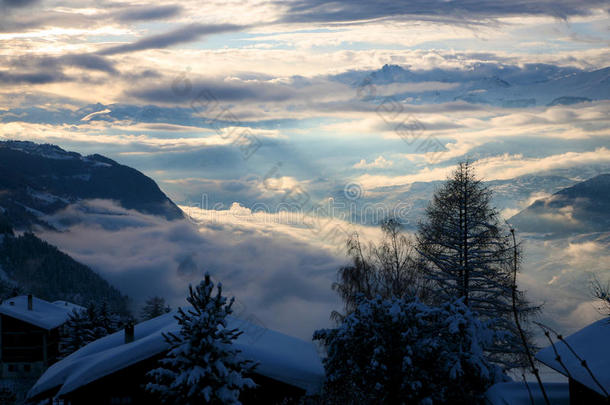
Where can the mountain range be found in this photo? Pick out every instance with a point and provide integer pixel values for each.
(505, 86)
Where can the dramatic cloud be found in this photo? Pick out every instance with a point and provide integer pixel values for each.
(436, 10)
(145, 13)
(181, 35)
(16, 3)
(87, 61)
(276, 271)
(496, 168)
(379, 163)
(205, 93)
(84, 61)
(281, 270)
(33, 78)
(559, 273)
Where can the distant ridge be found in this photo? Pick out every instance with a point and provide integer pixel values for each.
(37, 180)
(581, 208)
(31, 265)
(490, 83)
(40, 179)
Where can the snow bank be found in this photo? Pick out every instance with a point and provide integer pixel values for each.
(281, 357)
(44, 314)
(590, 344)
(516, 393)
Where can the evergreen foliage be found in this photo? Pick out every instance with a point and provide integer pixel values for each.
(202, 366)
(468, 254)
(397, 351)
(5, 225)
(85, 326)
(44, 271)
(154, 307)
(9, 289)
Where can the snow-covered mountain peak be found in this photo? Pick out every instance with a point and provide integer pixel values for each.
(43, 150)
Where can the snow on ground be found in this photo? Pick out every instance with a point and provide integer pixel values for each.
(46, 197)
(68, 305)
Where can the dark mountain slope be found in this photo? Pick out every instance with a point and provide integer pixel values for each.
(582, 208)
(41, 179)
(31, 265)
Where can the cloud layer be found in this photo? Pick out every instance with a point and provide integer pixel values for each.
(279, 276)
(280, 270)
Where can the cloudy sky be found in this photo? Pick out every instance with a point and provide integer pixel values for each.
(228, 103)
(208, 97)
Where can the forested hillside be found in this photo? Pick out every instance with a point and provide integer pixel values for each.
(31, 265)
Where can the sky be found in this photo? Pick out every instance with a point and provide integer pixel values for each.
(255, 106)
(209, 97)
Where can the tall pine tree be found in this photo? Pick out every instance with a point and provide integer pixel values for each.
(468, 255)
(202, 366)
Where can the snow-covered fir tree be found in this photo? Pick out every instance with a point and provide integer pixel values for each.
(76, 333)
(103, 321)
(399, 351)
(202, 365)
(154, 307)
(85, 326)
(468, 254)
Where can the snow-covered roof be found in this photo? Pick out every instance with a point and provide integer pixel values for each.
(281, 357)
(590, 344)
(44, 314)
(516, 393)
(68, 305)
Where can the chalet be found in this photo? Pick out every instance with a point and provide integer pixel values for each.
(112, 370)
(29, 335)
(588, 384)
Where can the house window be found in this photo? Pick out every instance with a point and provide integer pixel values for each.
(27, 368)
(12, 368)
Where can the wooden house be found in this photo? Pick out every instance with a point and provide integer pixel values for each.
(29, 335)
(589, 383)
(112, 370)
